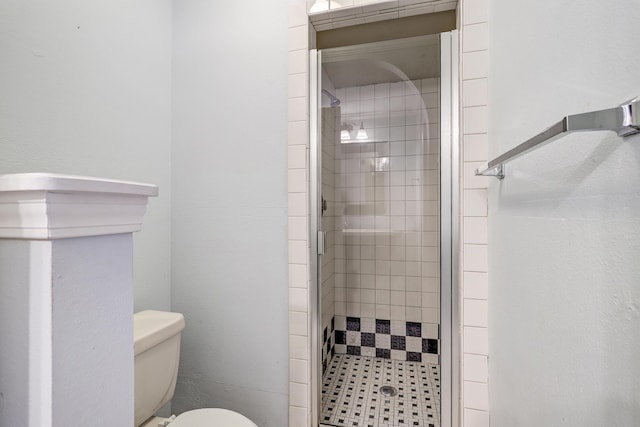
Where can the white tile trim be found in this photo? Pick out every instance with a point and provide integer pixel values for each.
(475, 104)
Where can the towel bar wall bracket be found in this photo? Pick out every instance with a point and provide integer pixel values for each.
(624, 120)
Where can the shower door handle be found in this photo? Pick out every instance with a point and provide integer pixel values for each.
(322, 235)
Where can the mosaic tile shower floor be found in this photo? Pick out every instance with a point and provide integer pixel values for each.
(351, 394)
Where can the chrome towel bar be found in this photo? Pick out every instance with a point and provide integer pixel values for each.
(624, 120)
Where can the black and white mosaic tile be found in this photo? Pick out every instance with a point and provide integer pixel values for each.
(398, 340)
(328, 348)
(351, 395)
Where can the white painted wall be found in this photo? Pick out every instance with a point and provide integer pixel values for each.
(565, 223)
(229, 264)
(86, 90)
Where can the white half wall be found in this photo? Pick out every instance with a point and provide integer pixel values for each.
(86, 90)
(229, 218)
(91, 278)
(66, 328)
(565, 222)
(15, 328)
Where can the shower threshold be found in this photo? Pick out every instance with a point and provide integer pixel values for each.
(352, 396)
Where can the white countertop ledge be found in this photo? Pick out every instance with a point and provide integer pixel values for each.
(73, 184)
(46, 206)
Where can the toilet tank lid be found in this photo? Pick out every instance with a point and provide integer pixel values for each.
(151, 327)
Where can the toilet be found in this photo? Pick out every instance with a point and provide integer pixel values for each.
(156, 337)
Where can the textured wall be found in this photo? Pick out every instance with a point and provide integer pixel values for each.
(229, 218)
(86, 91)
(565, 222)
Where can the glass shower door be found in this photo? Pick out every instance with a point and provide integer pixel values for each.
(382, 269)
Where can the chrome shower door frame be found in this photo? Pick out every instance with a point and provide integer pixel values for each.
(315, 193)
(449, 232)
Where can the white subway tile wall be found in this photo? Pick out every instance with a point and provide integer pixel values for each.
(476, 35)
(298, 371)
(478, 369)
(475, 395)
(475, 12)
(474, 105)
(476, 418)
(475, 147)
(298, 212)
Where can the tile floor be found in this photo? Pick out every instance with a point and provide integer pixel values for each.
(351, 394)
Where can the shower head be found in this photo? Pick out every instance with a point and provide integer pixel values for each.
(334, 101)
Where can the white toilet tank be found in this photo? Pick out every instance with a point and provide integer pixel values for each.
(156, 337)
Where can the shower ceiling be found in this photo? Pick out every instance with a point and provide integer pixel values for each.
(417, 58)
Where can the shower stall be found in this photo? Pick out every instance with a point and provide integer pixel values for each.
(383, 228)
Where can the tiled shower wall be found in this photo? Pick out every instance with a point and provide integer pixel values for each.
(387, 242)
(473, 17)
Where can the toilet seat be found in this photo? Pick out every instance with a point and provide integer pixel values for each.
(211, 417)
